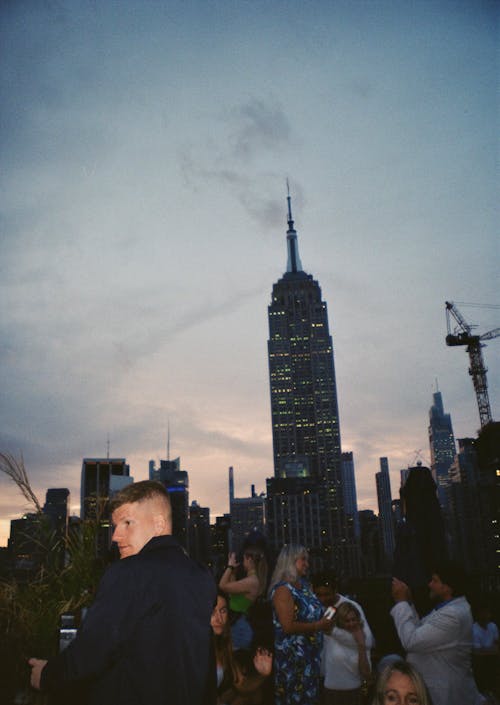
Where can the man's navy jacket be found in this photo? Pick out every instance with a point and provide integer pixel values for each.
(146, 640)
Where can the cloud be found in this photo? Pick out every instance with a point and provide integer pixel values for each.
(259, 127)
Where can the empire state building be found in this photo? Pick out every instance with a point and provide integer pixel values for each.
(305, 500)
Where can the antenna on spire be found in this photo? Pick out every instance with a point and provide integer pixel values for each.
(293, 264)
(168, 440)
(107, 447)
(289, 200)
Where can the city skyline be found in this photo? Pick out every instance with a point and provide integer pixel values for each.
(145, 151)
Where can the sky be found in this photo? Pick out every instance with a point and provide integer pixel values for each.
(145, 147)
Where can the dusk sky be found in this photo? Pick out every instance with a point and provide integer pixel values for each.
(145, 148)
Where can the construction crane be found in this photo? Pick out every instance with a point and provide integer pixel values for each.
(462, 335)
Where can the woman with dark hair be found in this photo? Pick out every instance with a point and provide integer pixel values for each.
(238, 683)
(244, 592)
(298, 627)
(401, 684)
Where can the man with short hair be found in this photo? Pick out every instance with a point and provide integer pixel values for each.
(439, 645)
(325, 585)
(146, 639)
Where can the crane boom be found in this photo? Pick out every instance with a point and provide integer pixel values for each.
(462, 335)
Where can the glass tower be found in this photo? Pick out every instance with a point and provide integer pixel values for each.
(442, 447)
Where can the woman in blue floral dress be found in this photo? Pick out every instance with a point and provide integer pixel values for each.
(298, 630)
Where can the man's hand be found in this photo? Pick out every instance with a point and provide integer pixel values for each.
(400, 591)
(37, 665)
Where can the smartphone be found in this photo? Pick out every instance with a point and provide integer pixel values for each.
(67, 631)
(330, 612)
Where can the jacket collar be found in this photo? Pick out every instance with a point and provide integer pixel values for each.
(160, 542)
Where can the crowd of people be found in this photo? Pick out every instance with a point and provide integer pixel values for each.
(160, 631)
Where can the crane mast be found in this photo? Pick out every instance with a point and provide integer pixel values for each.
(462, 335)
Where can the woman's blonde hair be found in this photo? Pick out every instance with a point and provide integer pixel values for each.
(407, 670)
(343, 610)
(285, 565)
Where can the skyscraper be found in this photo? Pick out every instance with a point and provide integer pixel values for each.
(101, 478)
(442, 447)
(384, 498)
(56, 507)
(350, 494)
(304, 410)
(247, 514)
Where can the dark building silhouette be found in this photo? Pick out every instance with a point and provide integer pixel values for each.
(384, 497)
(488, 457)
(56, 507)
(350, 494)
(199, 533)
(219, 533)
(464, 516)
(304, 412)
(474, 500)
(420, 535)
(101, 478)
(26, 543)
(294, 513)
(247, 516)
(370, 543)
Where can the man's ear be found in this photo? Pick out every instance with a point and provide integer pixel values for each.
(160, 525)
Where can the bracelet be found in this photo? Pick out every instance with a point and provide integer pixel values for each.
(230, 567)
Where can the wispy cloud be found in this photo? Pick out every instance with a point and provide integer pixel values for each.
(257, 127)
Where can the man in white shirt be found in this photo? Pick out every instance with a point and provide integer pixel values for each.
(439, 645)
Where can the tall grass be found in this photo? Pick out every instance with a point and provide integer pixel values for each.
(30, 609)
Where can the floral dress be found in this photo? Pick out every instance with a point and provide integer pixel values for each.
(297, 657)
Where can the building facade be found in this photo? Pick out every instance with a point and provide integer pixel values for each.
(442, 448)
(101, 478)
(384, 498)
(199, 533)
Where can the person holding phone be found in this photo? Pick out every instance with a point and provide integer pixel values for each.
(299, 623)
(346, 658)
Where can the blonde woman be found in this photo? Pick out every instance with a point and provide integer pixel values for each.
(244, 592)
(346, 658)
(401, 684)
(298, 628)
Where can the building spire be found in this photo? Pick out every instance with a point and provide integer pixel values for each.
(294, 264)
(289, 199)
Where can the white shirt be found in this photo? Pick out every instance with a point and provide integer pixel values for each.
(340, 654)
(439, 646)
